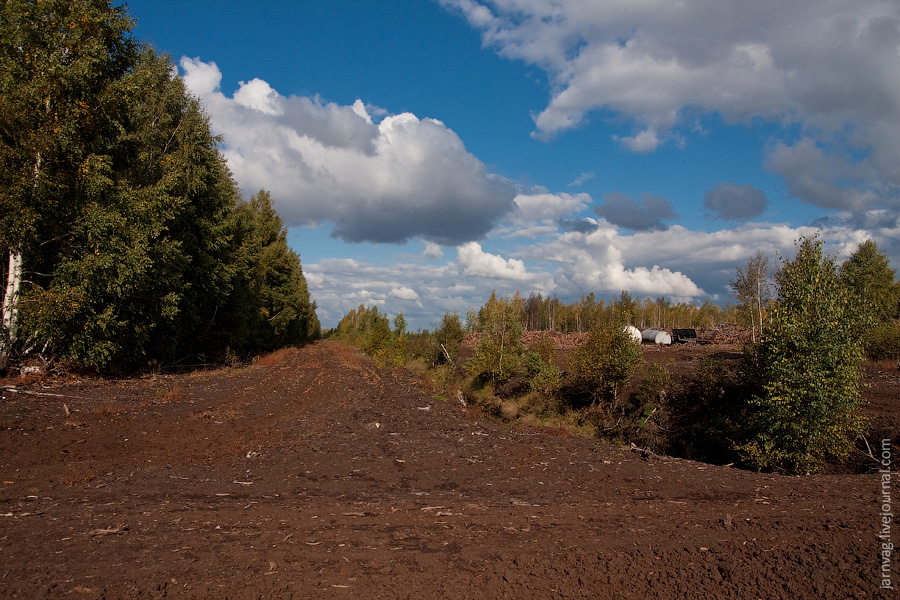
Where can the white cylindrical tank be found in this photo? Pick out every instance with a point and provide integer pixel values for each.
(653, 336)
(634, 332)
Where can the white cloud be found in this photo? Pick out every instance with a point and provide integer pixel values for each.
(201, 78)
(389, 181)
(678, 263)
(472, 260)
(536, 207)
(826, 69)
(595, 262)
(645, 141)
(259, 96)
(581, 179)
(432, 251)
(404, 293)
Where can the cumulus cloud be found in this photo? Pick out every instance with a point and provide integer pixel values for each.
(828, 70)
(645, 141)
(732, 202)
(596, 262)
(259, 96)
(432, 251)
(538, 207)
(385, 181)
(681, 264)
(648, 214)
(472, 260)
(404, 293)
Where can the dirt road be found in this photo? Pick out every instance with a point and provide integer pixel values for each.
(314, 475)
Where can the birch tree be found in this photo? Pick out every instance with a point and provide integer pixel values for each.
(57, 58)
(808, 405)
(751, 288)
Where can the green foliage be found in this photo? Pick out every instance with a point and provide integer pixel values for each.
(438, 350)
(449, 336)
(113, 188)
(606, 361)
(544, 376)
(58, 59)
(707, 413)
(370, 330)
(144, 259)
(499, 350)
(269, 307)
(400, 325)
(654, 387)
(652, 410)
(870, 282)
(883, 342)
(809, 367)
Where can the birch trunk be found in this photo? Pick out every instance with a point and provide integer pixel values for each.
(10, 306)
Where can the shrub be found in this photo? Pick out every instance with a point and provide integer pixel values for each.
(883, 342)
(606, 361)
(809, 365)
(543, 377)
(448, 337)
(499, 349)
(651, 408)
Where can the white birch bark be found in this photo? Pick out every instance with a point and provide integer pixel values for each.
(10, 319)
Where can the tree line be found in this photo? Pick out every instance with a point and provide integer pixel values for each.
(539, 313)
(127, 240)
(791, 403)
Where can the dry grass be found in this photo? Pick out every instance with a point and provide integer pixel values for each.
(169, 394)
(276, 358)
(509, 410)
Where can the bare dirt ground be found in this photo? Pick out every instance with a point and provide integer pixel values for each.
(315, 475)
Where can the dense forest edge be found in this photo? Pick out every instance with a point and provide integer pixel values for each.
(787, 399)
(129, 245)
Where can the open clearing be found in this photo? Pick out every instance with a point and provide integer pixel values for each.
(314, 475)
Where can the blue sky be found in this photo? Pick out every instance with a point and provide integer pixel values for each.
(426, 152)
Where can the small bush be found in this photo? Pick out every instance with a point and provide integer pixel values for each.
(543, 377)
(606, 361)
(883, 342)
(499, 349)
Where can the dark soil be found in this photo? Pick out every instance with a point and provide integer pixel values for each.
(314, 475)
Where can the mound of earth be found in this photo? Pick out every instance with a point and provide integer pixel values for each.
(314, 475)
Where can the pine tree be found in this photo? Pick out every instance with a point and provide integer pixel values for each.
(270, 306)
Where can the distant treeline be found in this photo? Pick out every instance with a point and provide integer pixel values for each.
(791, 403)
(537, 313)
(128, 242)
